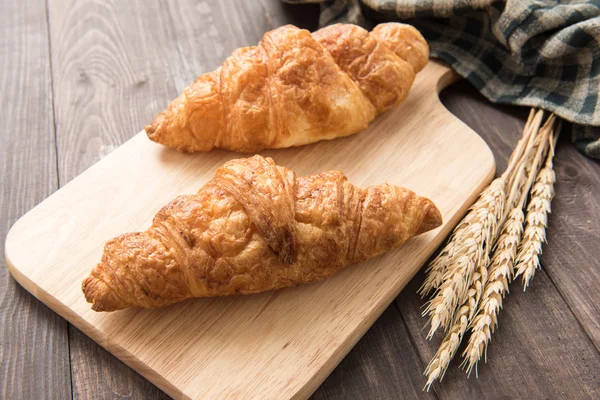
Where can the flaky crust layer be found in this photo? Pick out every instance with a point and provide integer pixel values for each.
(254, 227)
(294, 88)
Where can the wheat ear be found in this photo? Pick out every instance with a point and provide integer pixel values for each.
(450, 274)
(473, 246)
(502, 264)
(439, 266)
(500, 267)
(478, 279)
(538, 209)
(437, 367)
(460, 272)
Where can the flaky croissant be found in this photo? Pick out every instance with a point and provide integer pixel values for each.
(295, 88)
(254, 227)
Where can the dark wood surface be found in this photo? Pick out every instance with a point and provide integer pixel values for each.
(81, 77)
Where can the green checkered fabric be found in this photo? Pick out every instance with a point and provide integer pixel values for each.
(540, 53)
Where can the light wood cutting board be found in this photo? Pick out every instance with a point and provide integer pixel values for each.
(269, 346)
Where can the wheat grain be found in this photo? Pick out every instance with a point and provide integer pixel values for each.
(435, 271)
(438, 267)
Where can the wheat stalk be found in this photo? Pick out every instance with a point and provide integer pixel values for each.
(502, 265)
(538, 209)
(464, 296)
(450, 274)
(439, 266)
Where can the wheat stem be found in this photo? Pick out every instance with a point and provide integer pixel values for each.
(534, 140)
(532, 127)
(502, 265)
(545, 137)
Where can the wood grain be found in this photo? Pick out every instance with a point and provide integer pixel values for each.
(540, 350)
(111, 63)
(273, 345)
(110, 75)
(207, 32)
(572, 256)
(33, 340)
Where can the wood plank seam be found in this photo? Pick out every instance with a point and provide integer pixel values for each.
(33, 343)
(56, 159)
(58, 185)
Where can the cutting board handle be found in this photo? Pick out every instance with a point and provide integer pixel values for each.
(439, 73)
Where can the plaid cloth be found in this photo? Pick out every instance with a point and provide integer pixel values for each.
(540, 53)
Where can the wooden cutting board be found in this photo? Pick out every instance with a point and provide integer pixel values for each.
(273, 345)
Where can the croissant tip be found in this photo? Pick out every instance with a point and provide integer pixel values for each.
(432, 218)
(153, 129)
(97, 293)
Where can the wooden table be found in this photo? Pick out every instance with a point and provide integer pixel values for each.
(81, 77)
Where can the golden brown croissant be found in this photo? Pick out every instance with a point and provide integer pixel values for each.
(295, 88)
(254, 227)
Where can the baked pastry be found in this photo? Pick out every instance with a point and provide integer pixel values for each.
(254, 227)
(295, 88)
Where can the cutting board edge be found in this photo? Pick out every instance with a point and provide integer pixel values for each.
(304, 391)
(97, 336)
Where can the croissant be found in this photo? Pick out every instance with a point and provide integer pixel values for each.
(295, 88)
(254, 227)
